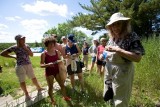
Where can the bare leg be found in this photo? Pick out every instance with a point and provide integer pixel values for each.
(23, 87)
(50, 80)
(99, 68)
(81, 80)
(72, 80)
(35, 82)
(61, 84)
(92, 65)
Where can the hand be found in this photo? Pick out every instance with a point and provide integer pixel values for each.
(101, 57)
(113, 48)
(50, 64)
(24, 46)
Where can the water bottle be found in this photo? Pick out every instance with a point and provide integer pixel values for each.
(104, 54)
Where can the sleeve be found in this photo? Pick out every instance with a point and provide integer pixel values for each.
(136, 45)
(10, 49)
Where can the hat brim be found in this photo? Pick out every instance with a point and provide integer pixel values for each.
(71, 40)
(22, 37)
(121, 19)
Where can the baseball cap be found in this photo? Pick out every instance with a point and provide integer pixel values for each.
(17, 37)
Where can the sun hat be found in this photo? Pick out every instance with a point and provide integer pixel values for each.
(117, 17)
(96, 39)
(63, 37)
(18, 37)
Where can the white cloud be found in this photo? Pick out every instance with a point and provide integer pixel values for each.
(89, 32)
(45, 8)
(35, 29)
(14, 18)
(3, 26)
(84, 30)
(4, 37)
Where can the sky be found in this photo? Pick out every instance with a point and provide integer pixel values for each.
(32, 18)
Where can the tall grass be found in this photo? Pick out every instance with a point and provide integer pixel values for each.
(146, 87)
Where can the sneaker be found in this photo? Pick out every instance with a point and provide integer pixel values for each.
(67, 98)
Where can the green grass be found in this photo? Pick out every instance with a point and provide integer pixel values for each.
(8, 79)
(146, 86)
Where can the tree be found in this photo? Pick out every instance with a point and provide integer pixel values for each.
(63, 30)
(142, 12)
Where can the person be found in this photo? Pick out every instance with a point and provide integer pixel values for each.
(64, 41)
(62, 68)
(93, 52)
(85, 54)
(100, 62)
(125, 48)
(49, 61)
(23, 64)
(72, 52)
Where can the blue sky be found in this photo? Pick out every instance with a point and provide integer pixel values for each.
(33, 17)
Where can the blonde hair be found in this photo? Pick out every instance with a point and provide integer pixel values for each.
(126, 29)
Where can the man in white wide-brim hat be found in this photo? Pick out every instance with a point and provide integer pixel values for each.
(125, 48)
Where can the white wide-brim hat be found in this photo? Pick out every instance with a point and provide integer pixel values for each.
(117, 17)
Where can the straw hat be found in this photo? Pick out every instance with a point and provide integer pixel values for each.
(117, 17)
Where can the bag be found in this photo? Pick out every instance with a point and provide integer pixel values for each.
(81, 64)
(109, 93)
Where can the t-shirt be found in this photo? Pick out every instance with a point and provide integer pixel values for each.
(21, 53)
(85, 51)
(100, 50)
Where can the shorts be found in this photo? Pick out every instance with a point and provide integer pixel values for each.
(94, 59)
(23, 70)
(99, 62)
(70, 72)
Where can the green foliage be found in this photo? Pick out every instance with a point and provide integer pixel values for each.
(99, 11)
(64, 29)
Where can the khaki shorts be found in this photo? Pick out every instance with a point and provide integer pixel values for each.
(22, 71)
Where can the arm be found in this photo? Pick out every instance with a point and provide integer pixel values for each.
(5, 53)
(42, 62)
(28, 50)
(126, 54)
(59, 56)
(89, 50)
(79, 51)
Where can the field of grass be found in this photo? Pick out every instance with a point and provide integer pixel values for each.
(146, 87)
